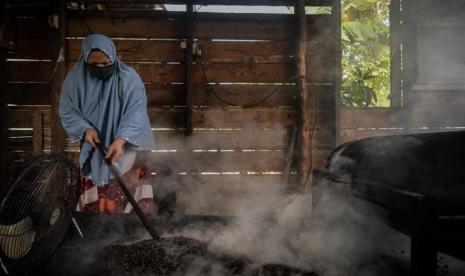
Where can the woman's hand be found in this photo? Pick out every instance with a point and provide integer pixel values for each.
(92, 137)
(115, 151)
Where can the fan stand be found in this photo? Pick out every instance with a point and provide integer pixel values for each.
(2, 264)
(76, 225)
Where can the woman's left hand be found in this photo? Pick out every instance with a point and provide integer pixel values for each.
(115, 151)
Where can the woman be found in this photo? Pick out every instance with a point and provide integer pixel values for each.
(103, 101)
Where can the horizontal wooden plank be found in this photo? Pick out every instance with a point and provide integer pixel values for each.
(347, 135)
(219, 2)
(230, 194)
(239, 95)
(224, 118)
(371, 118)
(245, 95)
(259, 73)
(235, 26)
(437, 88)
(218, 161)
(211, 163)
(261, 51)
(113, 12)
(32, 49)
(22, 139)
(273, 30)
(20, 144)
(20, 117)
(197, 160)
(25, 71)
(174, 95)
(231, 139)
(438, 98)
(438, 116)
(212, 139)
(424, 12)
(165, 74)
(154, 73)
(207, 26)
(211, 51)
(134, 28)
(135, 50)
(18, 158)
(244, 118)
(246, 52)
(354, 134)
(206, 140)
(221, 139)
(28, 93)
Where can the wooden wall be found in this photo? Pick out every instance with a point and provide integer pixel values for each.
(233, 152)
(28, 78)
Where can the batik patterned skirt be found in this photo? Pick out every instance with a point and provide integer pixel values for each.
(110, 198)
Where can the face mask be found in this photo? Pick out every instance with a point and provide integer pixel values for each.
(101, 72)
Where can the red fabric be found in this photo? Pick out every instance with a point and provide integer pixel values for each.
(111, 198)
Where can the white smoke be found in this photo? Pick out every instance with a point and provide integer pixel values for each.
(341, 236)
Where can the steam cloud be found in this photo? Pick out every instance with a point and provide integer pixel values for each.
(341, 236)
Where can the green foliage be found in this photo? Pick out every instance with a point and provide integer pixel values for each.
(366, 53)
(356, 92)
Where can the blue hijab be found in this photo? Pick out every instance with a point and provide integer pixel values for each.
(116, 107)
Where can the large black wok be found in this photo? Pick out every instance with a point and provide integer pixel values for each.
(419, 179)
(431, 164)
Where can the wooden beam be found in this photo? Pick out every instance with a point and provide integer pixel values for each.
(189, 72)
(218, 2)
(304, 120)
(59, 73)
(275, 27)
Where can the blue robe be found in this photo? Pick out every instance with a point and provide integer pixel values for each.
(116, 107)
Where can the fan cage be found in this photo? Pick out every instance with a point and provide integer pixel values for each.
(35, 212)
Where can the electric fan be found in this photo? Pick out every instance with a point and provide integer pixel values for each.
(36, 212)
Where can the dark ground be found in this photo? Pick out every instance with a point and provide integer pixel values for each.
(181, 256)
(111, 247)
(119, 245)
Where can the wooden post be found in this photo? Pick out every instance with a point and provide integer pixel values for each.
(37, 133)
(59, 74)
(304, 113)
(337, 70)
(189, 60)
(4, 176)
(395, 42)
(408, 38)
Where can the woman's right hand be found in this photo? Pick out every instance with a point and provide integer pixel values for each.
(92, 137)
